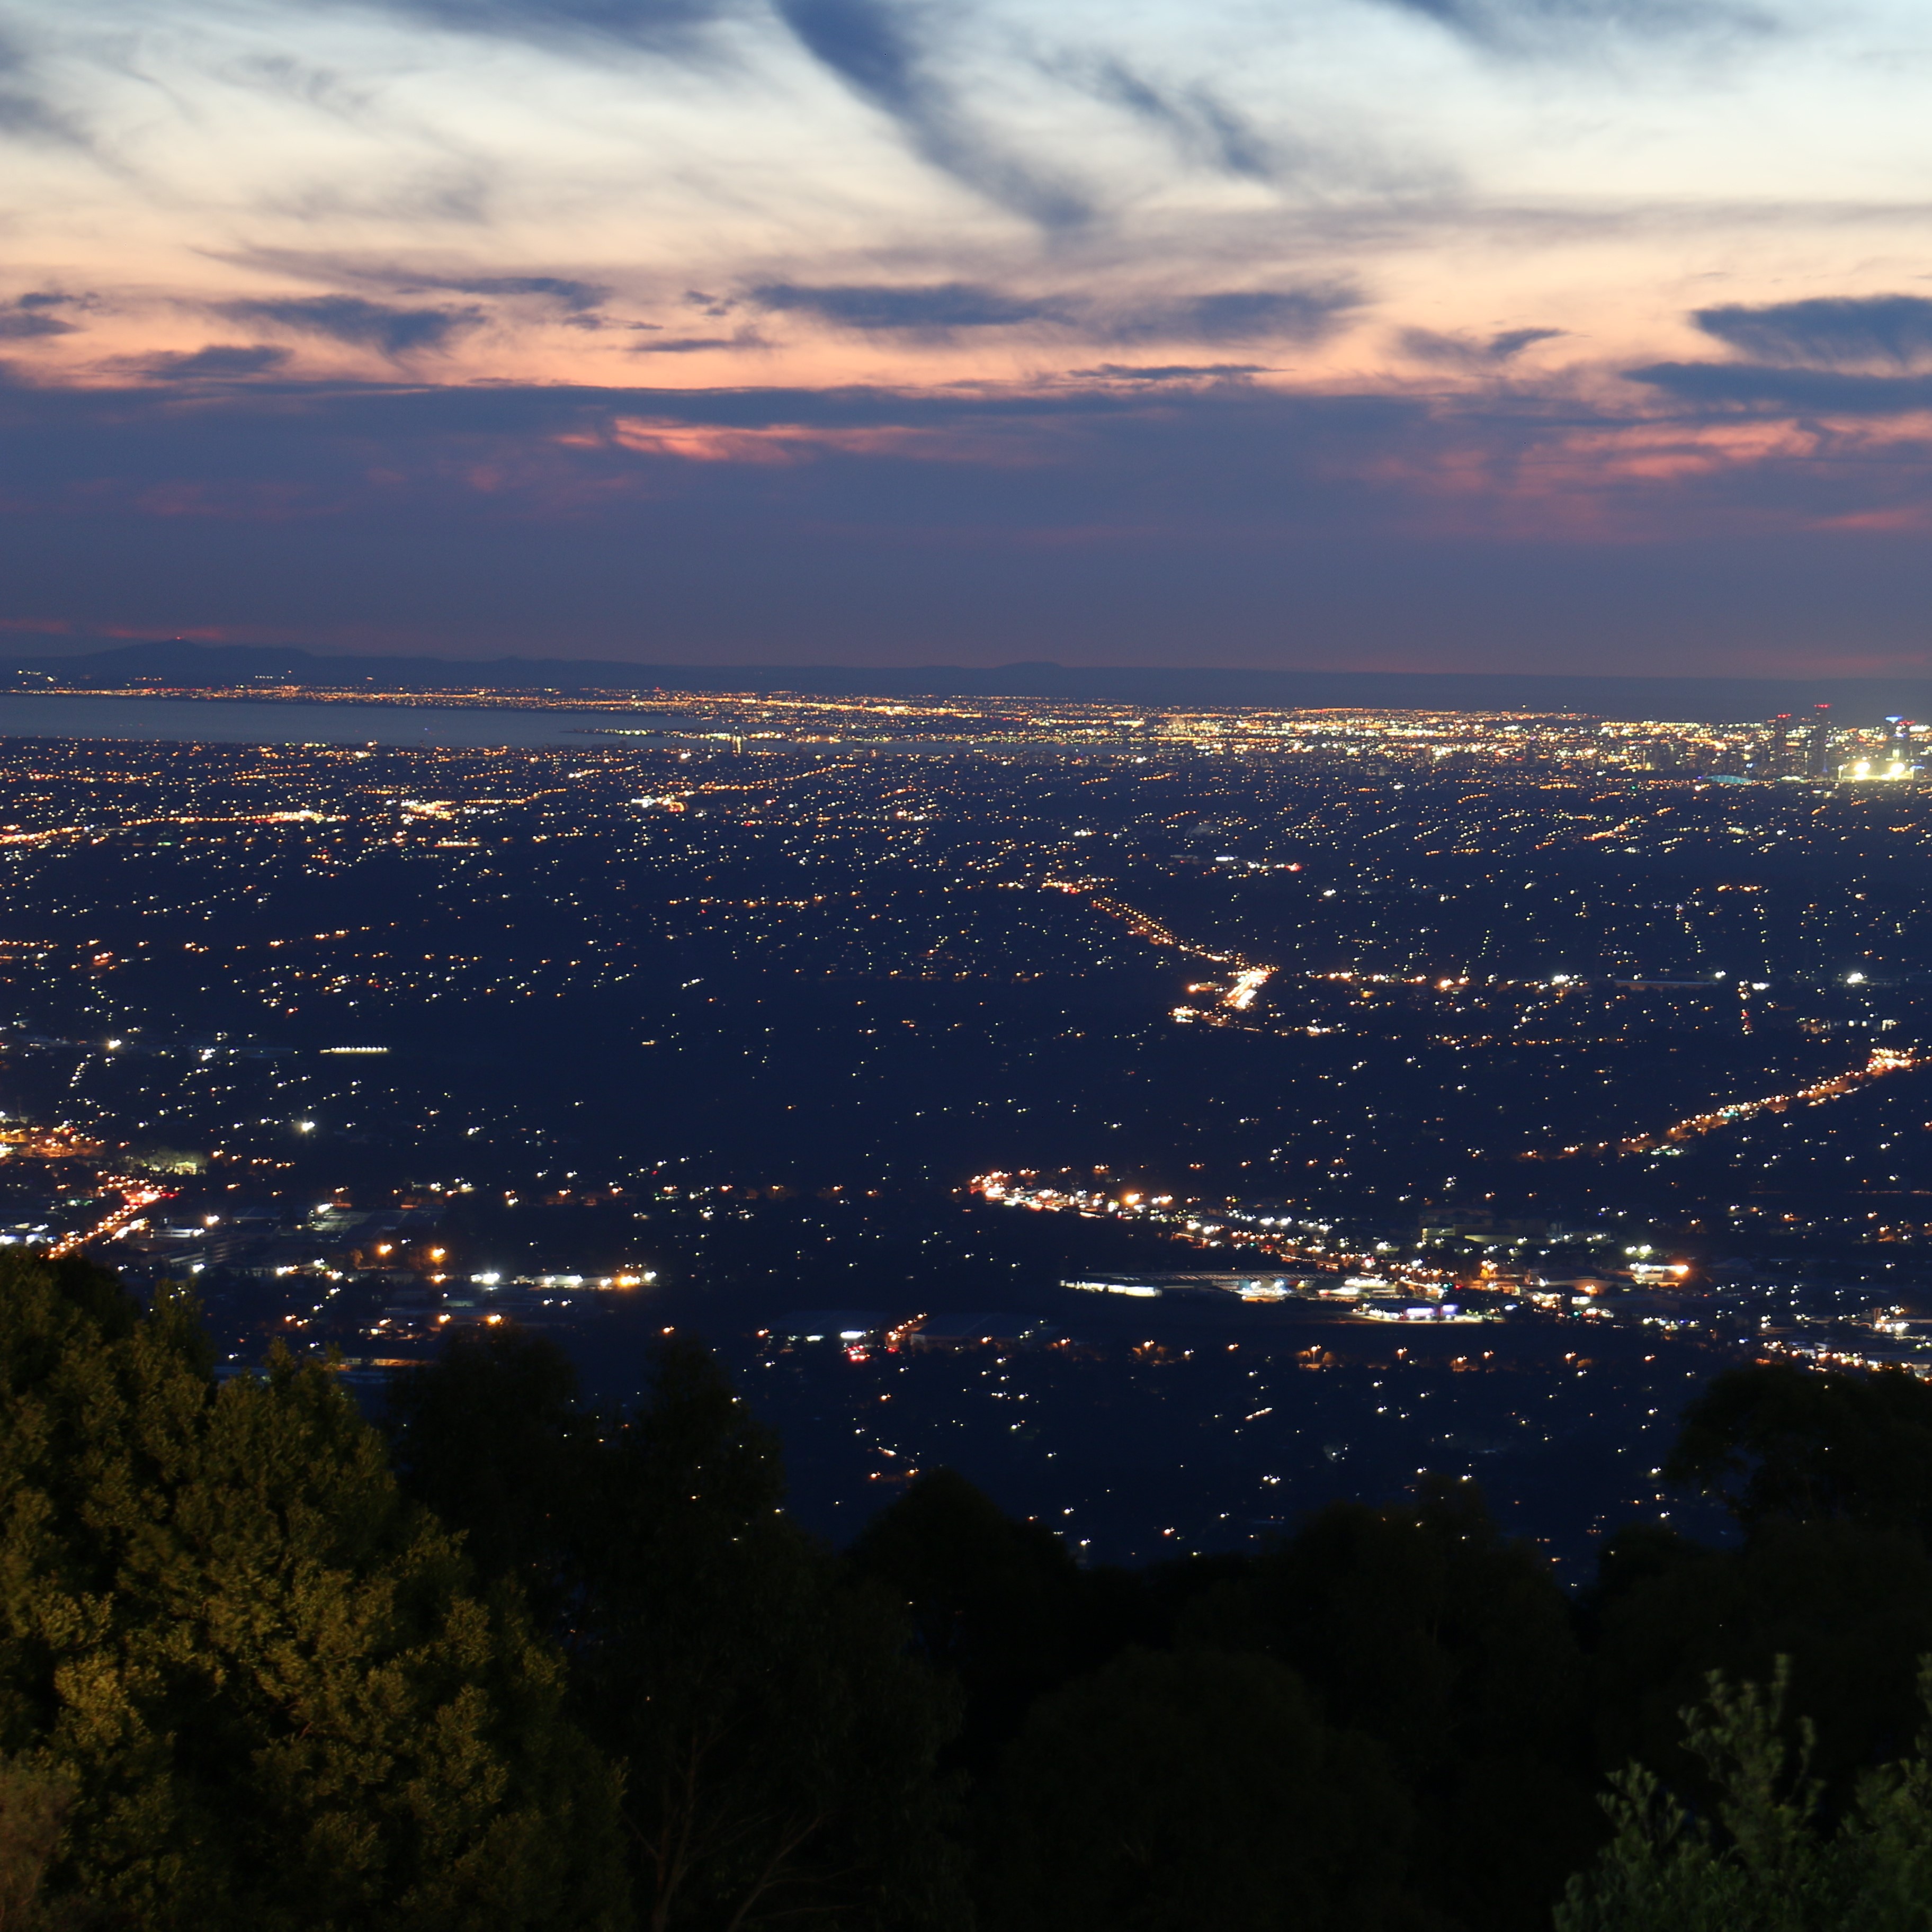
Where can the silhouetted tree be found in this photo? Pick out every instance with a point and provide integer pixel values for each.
(998, 1603)
(1830, 1476)
(1171, 1792)
(33, 1805)
(1850, 1607)
(1422, 1625)
(1780, 1443)
(491, 1438)
(778, 1738)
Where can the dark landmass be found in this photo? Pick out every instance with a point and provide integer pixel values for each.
(1855, 700)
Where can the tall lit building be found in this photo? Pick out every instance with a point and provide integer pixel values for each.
(1818, 744)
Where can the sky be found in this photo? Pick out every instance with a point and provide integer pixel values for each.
(1586, 335)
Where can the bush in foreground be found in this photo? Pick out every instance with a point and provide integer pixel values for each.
(252, 1683)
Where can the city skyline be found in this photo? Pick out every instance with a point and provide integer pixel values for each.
(1396, 1037)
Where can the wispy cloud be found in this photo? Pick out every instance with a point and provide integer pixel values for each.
(579, 300)
(360, 324)
(931, 308)
(578, 297)
(1773, 389)
(34, 314)
(1579, 28)
(876, 48)
(27, 113)
(1242, 315)
(1172, 372)
(218, 361)
(1464, 352)
(1833, 331)
(1198, 120)
(650, 23)
(692, 345)
(941, 309)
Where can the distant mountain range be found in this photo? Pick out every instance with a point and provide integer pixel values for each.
(1854, 700)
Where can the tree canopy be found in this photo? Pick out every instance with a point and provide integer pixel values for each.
(263, 1676)
(778, 1738)
(507, 1664)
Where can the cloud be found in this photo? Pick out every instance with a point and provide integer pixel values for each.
(1114, 522)
(31, 314)
(1580, 27)
(218, 361)
(870, 45)
(1198, 122)
(1173, 372)
(581, 302)
(1242, 315)
(1848, 355)
(1834, 331)
(1222, 523)
(689, 345)
(1513, 341)
(648, 23)
(17, 324)
(26, 114)
(936, 309)
(363, 325)
(578, 297)
(922, 309)
(1782, 391)
(1461, 352)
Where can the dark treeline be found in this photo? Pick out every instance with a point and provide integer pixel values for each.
(504, 1663)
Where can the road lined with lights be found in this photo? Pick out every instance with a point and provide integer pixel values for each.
(135, 1200)
(1235, 998)
(1884, 1061)
(14, 838)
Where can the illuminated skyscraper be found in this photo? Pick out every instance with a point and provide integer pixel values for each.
(1818, 744)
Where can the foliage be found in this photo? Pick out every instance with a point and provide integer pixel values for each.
(33, 1805)
(1172, 1791)
(998, 1605)
(513, 1664)
(1767, 1858)
(1420, 1625)
(1417, 1630)
(1850, 1608)
(263, 1674)
(779, 1738)
(1783, 1443)
(492, 1440)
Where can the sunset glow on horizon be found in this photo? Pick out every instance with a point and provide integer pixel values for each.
(1458, 334)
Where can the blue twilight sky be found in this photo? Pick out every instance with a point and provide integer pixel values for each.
(1590, 335)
